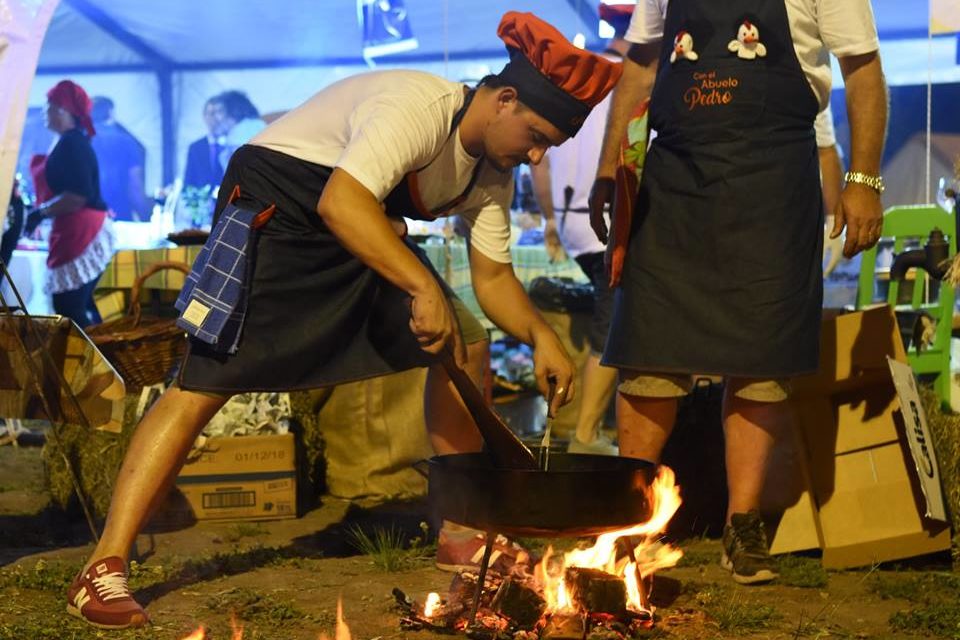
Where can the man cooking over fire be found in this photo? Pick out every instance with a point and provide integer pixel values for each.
(723, 272)
(310, 218)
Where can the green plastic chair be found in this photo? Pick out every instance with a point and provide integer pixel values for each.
(904, 223)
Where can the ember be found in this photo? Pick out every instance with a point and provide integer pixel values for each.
(602, 589)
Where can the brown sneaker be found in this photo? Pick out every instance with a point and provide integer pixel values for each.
(467, 553)
(745, 552)
(100, 596)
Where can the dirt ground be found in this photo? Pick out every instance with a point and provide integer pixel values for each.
(282, 579)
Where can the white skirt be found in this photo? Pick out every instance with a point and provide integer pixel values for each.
(85, 267)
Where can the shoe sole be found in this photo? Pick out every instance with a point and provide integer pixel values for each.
(456, 568)
(72, 610)
(764, 575)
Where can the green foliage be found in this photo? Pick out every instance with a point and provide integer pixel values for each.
(942, 619)
(52, 576)
(798, 571)
(935, 600)
(245, 530)
(388, 548)
(918, 587)
(731, 612)
(697, 558)
(253, 606)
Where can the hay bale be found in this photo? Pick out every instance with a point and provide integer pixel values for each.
(945, 431)
(305, 409)
(95, 456)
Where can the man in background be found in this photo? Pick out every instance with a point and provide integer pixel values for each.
(122, 158)
(562, 184)
(203, 167)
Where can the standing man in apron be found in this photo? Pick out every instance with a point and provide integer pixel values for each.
(723, 273)
(332, 290)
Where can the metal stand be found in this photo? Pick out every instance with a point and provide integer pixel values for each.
(482, 576)
(37, 378)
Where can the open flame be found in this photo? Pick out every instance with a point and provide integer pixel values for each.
(632, 553)
(431, 605)
(342, 631)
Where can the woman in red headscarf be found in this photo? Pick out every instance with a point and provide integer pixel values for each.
(67, 184)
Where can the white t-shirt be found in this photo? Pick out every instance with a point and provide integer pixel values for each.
(823, 125)
(818, 27)
(574, 163)
(382, 125)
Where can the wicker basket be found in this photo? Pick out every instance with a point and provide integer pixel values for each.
(143, 350)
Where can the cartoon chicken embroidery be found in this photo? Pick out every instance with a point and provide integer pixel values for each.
(748, 45)
(683, 47)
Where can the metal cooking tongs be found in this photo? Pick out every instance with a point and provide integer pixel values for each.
(548, 427)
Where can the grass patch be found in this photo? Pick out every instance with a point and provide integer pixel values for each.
(52, 576)
(242, 530)
(731, 612)
(697, 558)
(935, 598)
(942, 619)
(798, 571)
(251, 606)
(237, 560)
(918, 588)
(389, 549)
(60, 628)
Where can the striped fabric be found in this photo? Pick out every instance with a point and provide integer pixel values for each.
(212, 302)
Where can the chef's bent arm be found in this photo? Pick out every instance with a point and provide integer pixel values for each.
(357, 220)
(504, 301)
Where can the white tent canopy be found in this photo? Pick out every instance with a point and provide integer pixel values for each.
(159, 62)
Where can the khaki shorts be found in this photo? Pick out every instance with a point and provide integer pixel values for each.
(470, 327)
(665, 385)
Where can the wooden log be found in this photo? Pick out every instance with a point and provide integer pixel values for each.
(518, 603)
(463, 589)
(595, 591)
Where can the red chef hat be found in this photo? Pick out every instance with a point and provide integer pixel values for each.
(617, 15)
(554, 78)
(70, 96)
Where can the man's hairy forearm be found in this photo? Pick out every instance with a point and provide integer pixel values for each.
(866, 109)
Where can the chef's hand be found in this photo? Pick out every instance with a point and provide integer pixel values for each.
(861, 212)
(434, 324)
(551, 242)
(551, 364)
(33, 221)
(601, 201)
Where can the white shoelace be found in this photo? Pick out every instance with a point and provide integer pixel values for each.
(112, 586)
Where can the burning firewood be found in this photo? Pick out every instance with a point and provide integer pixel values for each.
(565, 627)
(519, 603)
(596, 591)
(463, 588)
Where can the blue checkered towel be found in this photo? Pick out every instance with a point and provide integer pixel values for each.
(213, 300)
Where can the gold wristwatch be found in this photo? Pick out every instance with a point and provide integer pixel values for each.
(857, 177)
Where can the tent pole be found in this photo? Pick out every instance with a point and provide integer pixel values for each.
(165, 81)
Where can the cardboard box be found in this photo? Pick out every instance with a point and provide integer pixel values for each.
(241, 478)
(852, 489)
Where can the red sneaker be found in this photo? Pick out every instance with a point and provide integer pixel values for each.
(466, 554)
(100, 596)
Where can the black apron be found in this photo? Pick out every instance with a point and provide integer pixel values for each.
(723, 271)
(316, 315)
